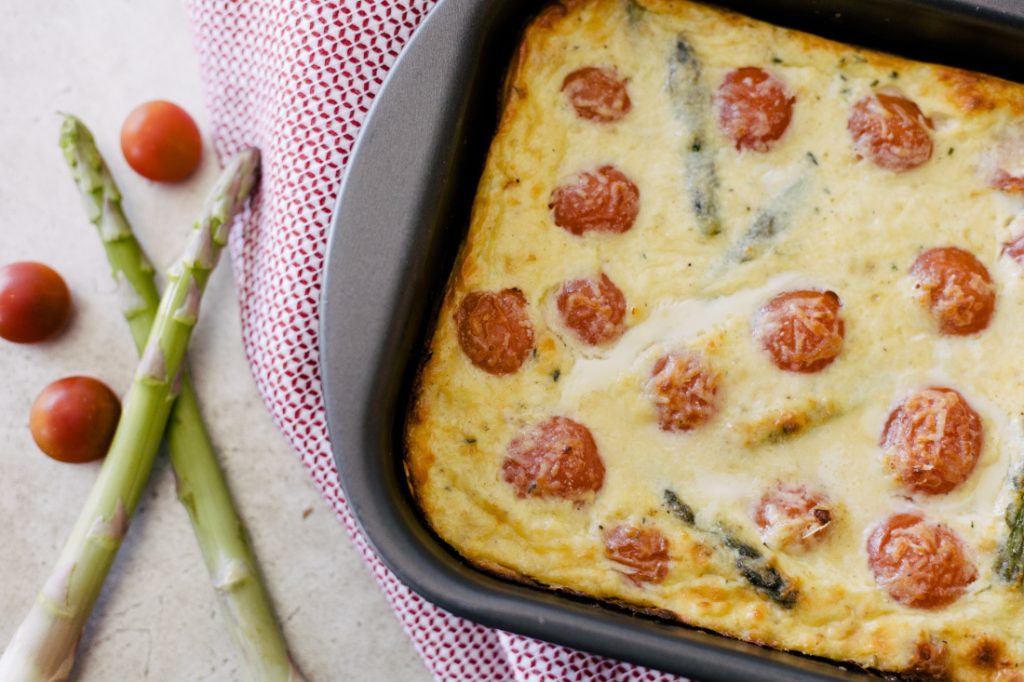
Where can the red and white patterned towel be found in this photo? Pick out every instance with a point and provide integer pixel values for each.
(296, 78)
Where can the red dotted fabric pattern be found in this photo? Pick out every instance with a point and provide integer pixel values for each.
(296, 79)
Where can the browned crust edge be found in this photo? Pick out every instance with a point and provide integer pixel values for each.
(415, 467)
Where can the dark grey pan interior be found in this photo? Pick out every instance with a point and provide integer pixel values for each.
(402, 212)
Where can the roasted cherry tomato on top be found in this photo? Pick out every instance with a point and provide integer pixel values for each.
(932, 440)
(593, 308)
(160, 141)
(920, 563)
(792, 518)
(891, 131)
(73, 419)
(956, 288)
(34, 302)
(494, 330)
(555, 459)
(641, 552)
(801, 330)
(754, 108)
(597, 94)
(602, 200)
(684, 389)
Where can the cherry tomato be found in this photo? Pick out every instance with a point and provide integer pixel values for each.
(1013, 184)
(35, 302)
(555, 458)
(685, 391)
(918, 562)
(73, 419)
(494, 330)
(932, 441)
(1015, 249)
(604, 200)
(597, 94)
(754, 108)
(160, 141)
(956, 288)
(640, 551)
(594, 309)
(891, 131)
(1006, 167)
(793, 518)
(801, 330)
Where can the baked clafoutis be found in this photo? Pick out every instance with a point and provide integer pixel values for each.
(735, 338)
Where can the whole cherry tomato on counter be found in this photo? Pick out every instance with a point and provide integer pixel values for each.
(74, 419)
(160, 141)
(35, 302)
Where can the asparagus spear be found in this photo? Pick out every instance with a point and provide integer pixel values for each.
(1010, 561)
(202, 489)
(772, 220)
(755, 568)
(43, 647)
(691, 103)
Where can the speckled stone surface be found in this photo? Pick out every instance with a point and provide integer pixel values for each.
(157, 618)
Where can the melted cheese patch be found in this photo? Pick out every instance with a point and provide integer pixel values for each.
(808, 214)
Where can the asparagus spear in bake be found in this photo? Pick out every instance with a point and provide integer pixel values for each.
(755, 568)
(43, 647)
(220, 532)
(1010, 561)
(771, 220)
(691, 103)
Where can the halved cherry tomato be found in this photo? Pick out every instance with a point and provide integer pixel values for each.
(160, 141)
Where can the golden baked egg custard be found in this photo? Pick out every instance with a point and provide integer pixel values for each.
(734, 336)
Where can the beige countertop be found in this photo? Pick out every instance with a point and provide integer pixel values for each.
(157, 618)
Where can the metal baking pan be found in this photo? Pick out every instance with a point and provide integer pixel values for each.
(402, 212)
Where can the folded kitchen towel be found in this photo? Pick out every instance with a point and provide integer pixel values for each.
(296, 79)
